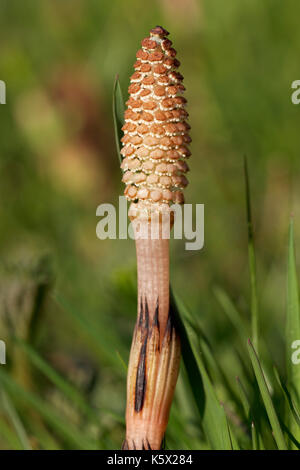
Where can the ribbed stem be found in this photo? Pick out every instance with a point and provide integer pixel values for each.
(155, 351)
(153, 274)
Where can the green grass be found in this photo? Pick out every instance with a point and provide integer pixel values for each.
(68, 325)
(223, 420)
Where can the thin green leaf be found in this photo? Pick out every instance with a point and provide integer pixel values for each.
(292, 334)
(244, 397)
(216, 372)
(233, 442)
(100, 341)
(118, 114)
(67, 430)
(229, 433)
(9, 436)
(62, 384)
(289, 401)
(254, 437)
(13, 416)
(122, 362)
(232, 313)
(248, 412)
(212, 413)
(278, 435)
(252, 261)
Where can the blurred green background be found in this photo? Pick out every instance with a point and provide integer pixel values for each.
(72, 296)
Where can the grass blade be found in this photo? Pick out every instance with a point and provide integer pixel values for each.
(69, 390)
(254, 437)
(118, 114)
(233, 442)
(292, 335)
(244, 398)
(8, 436)
(252, 261)
(212, 413)
(12, 414)
(62, 384)
(229, 434)
(289, 401)
(232, 313)
(67, 430)
(278, 435)
(249, 414)
(102, 343)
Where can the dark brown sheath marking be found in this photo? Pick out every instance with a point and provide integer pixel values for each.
(140, 385)
(146, 314)
(156, 313)
(143, 318)
(149, 447)
(146, 445)
(125, 445)
(141, 315)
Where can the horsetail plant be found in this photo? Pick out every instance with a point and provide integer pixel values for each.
(154, 163)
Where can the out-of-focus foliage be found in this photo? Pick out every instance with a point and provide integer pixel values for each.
(68, 297)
